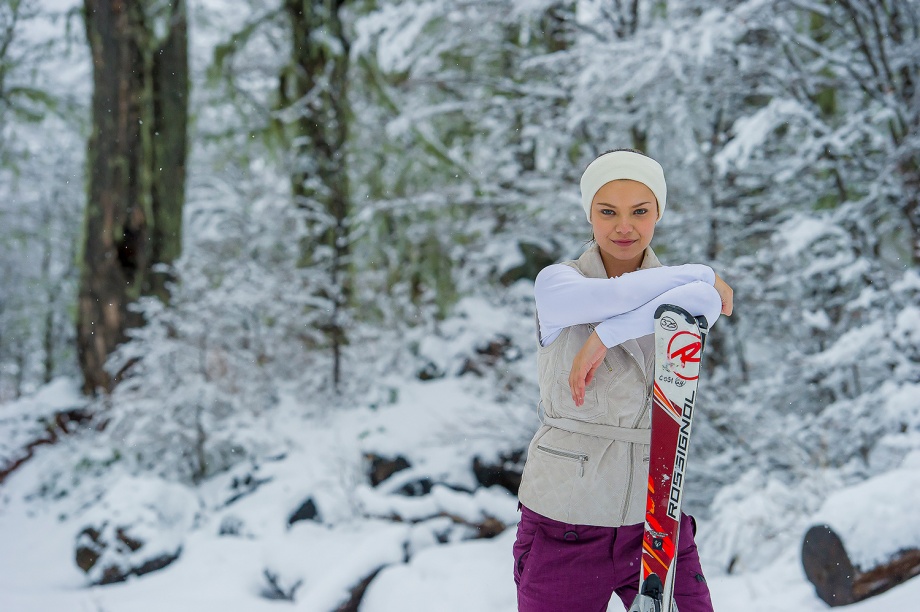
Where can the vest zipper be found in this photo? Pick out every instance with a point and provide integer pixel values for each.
(629, 481)
(581, 458)
(632, 448)
(643, 412)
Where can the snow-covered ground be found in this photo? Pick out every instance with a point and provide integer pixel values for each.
(226, 550)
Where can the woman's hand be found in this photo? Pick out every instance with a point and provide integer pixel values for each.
(727, 295)
(584, 365)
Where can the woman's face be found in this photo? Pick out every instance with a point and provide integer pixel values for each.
(623, 216)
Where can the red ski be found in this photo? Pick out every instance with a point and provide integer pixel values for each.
(679, 340)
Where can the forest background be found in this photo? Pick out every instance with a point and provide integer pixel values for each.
(227, 222)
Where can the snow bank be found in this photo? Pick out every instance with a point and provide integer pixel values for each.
(137, 520)
(877, 518)
(755, 520)
(25, 420)
(332, 560)
(474, 575)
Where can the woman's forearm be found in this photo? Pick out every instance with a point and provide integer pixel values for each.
(564, 297)
(697, 298)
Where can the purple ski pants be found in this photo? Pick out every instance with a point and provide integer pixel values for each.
(576, 568)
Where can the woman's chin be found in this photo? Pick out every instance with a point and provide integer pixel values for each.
(624, 253)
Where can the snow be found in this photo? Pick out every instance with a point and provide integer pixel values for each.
(853, 345)
(423, 557)
(750, 133)
(25, 420)
(156, 513)
(472, 575)
(393, 35)
(801, 232)
(910, 281)
(871, 517)
(757, 508)
(233, 528)
(782, 587)
(906, 326)
(900, 405)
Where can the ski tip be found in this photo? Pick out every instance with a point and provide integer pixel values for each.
(673, 308)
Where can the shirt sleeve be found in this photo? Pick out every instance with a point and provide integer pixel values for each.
(564, 297)
(698, 298)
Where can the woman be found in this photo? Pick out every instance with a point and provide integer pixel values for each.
(584, 484)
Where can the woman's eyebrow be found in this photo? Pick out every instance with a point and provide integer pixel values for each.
(633, 206)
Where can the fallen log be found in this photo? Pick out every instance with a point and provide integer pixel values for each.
(838, 581)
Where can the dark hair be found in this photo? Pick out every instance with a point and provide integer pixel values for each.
(623, 149)
(637, 151)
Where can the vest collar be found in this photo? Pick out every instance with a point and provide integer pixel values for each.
(592, 266)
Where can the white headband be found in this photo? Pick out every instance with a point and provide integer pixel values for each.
(623, 165)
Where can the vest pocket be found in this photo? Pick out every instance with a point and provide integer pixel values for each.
(564, 406)
(566, 455)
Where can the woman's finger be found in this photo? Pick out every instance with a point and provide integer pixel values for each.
(573, 385)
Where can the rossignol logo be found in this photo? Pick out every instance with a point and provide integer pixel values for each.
(684, 348)
(680, 459)
(668, 324)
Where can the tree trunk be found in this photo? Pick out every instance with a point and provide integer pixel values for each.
(48, 335)
(315, 86)
(170, 144)
(116, 220)
(129, 194)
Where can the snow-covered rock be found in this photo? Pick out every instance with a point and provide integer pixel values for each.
(136, 528)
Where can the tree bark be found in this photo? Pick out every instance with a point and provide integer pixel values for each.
(169, 148)
(134, 207)
(116, 222)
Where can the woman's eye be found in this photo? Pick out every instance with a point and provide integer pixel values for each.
(641, 211)
(606, 211)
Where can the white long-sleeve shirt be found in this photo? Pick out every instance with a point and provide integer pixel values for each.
(624, 307)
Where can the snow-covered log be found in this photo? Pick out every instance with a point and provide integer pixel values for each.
(838, 582)
(866, 541)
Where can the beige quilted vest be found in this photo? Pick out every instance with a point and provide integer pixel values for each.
(588, 465)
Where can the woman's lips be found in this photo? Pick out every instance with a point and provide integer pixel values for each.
(623, 243)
